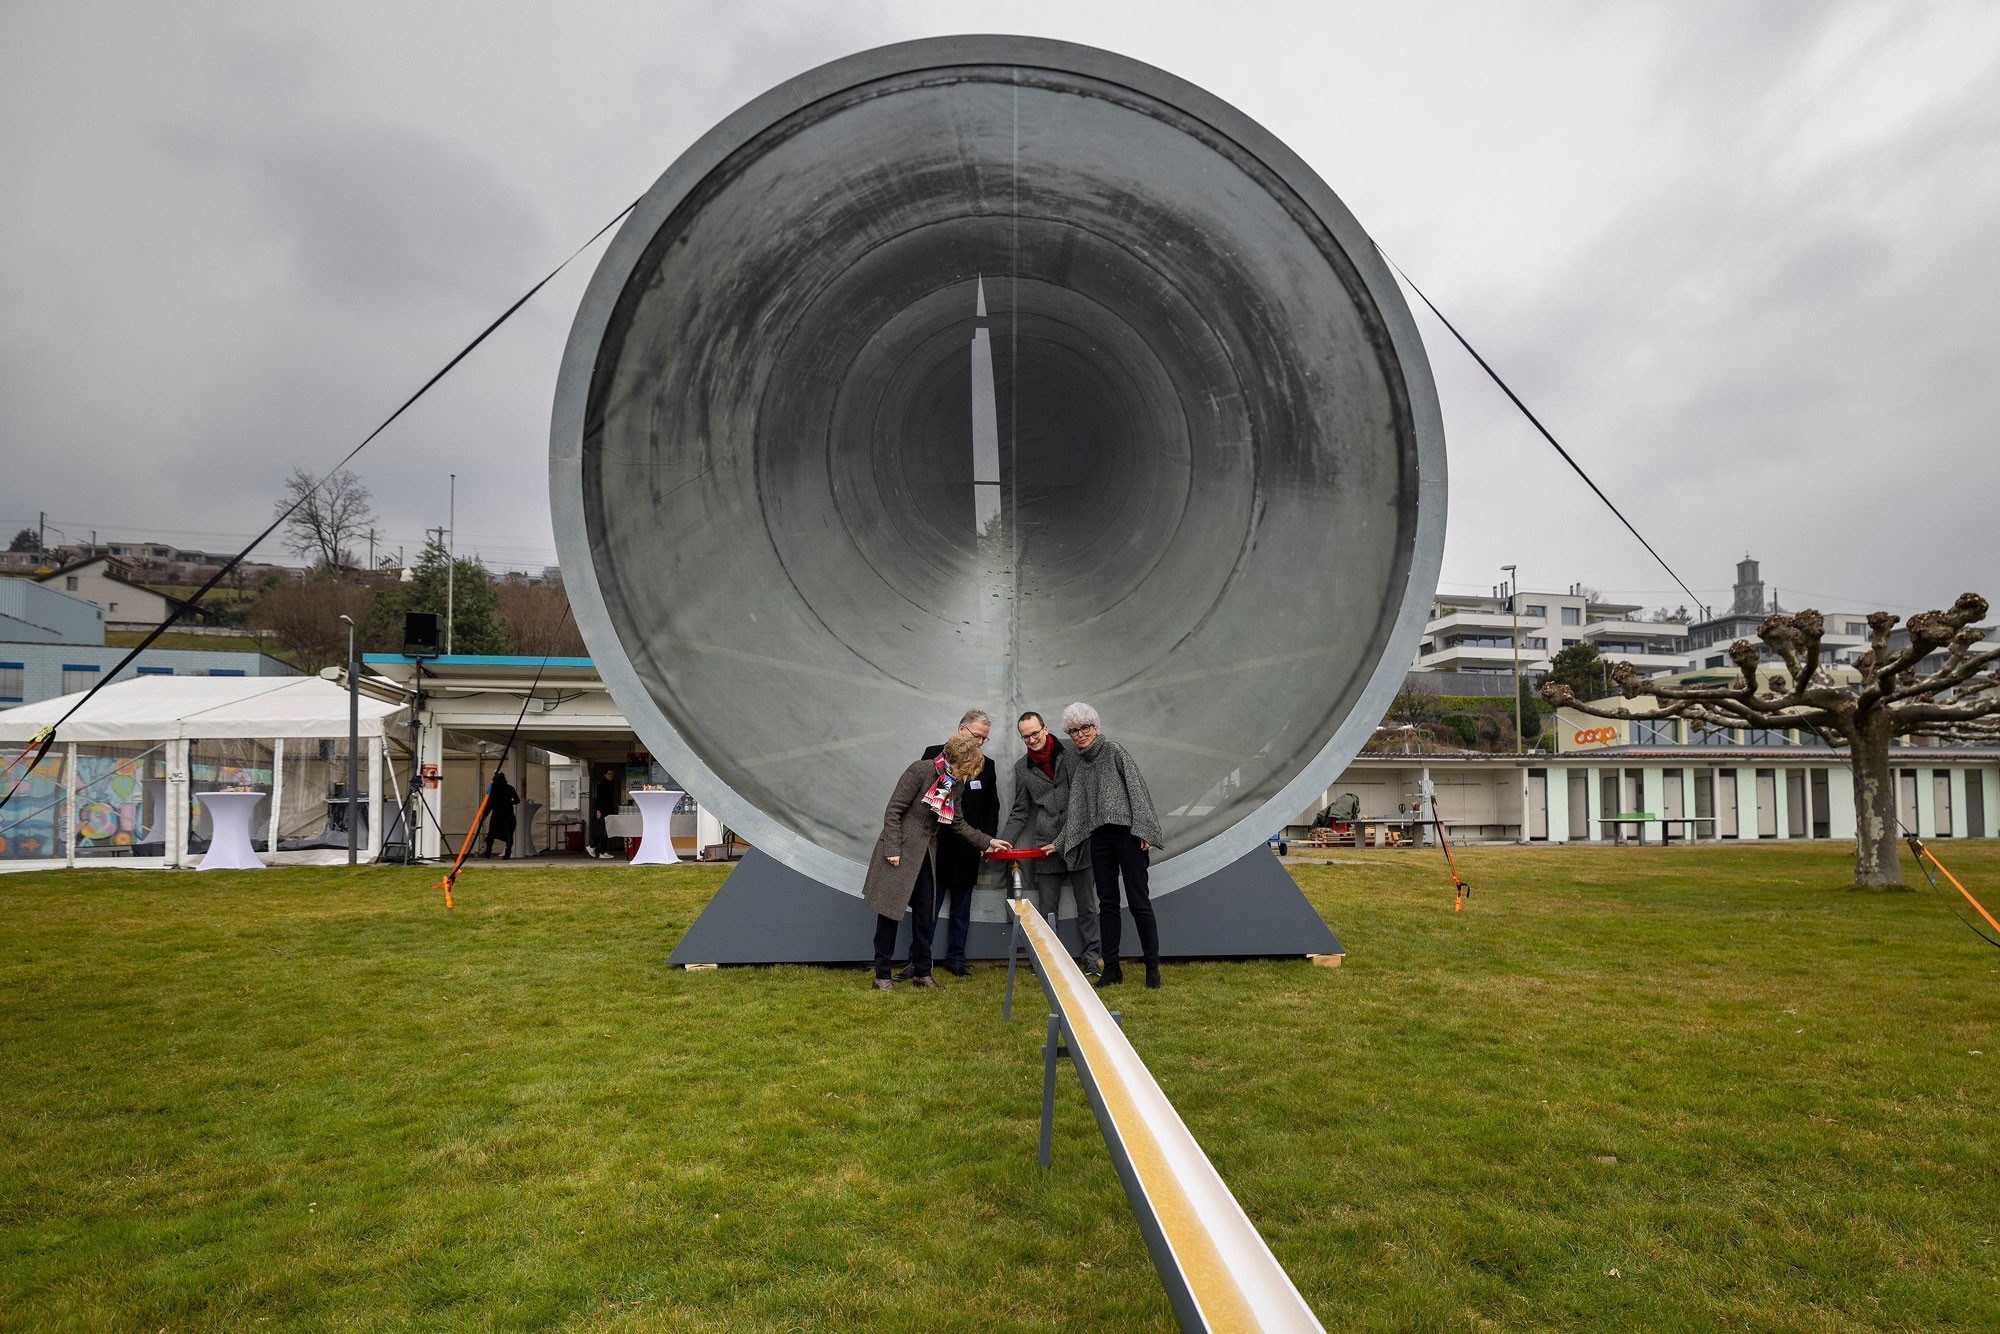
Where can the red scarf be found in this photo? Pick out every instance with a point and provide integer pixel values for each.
(1045, 758)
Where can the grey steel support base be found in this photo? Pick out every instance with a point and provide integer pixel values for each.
(765, 912)
(1054, 1049)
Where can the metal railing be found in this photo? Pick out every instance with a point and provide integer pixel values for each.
(1217, 1271)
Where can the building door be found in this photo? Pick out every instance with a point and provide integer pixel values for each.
(1941, 800)
(1795, 803)
(1975, 804)
(1822, 822)
(1725, 803)
(1538, 803)
(1767, 803)
(1704, 804)
(1579, 805)
(1672, 803)
(1608, 804)
(1906, 798)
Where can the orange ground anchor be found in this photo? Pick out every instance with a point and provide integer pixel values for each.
(465, 849)
(1925, 854)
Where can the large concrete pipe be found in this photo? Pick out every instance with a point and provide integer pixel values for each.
(1000, 372)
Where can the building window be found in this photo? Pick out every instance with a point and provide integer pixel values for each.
(69, 582)
(1572, 615)
(78, 676)
(1653, 732)
(1535, 641)
(1716, 661)
(1857, 628)
(12, 682)
(111, 607)
(156, 671)
(1533, 610)
(1763, 736)
(1708, 736)
(225, 671)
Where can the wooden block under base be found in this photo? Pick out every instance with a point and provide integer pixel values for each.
(699, 967)
(1326, 960)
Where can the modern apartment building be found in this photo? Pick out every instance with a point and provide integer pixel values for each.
(1476, 633)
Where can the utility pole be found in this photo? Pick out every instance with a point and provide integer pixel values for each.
(353, 746)
(1514, 605)
(371, 548)
(450, 562)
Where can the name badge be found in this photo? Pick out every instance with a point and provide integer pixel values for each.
(975, 784)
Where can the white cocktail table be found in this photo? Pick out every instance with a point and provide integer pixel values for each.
(656, 839)
(229, 813)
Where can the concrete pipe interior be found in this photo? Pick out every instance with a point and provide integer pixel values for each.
(938, 379)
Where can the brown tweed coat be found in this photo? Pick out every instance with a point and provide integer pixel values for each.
(909, 831)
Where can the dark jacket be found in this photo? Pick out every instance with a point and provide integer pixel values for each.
(910, 831)
(500, 806)
(957, 863)
(1040, 803)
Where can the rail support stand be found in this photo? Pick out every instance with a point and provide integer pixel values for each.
(1053, 1050)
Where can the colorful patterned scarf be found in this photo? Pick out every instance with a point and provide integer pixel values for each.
(943, 793)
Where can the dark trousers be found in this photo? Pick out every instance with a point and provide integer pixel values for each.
(961, 920)
(1115, 850)
(923, 916)
(501, 836)
(599, 839)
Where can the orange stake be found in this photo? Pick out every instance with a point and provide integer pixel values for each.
(466, 848)
(1960, 888)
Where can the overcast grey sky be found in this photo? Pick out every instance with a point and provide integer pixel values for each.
(1741, 258)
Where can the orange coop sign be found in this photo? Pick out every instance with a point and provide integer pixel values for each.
(1595, 736)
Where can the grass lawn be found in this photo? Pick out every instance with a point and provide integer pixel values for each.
(1627, 1088)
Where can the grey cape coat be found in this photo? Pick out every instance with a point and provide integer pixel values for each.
(909, 831)
(1040, 807)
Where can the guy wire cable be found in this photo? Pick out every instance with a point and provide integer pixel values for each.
(178, 610)
(465, 849)
(1537, 424)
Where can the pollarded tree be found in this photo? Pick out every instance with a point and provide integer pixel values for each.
(1893, 697)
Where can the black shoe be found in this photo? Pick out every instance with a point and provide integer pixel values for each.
(1111, 976)
(1092, 968)
(958, 970)
(906, 974)
(1153, 976)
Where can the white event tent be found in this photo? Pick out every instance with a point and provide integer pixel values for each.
(120, 780)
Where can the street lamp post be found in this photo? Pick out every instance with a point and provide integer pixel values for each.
(353, 745)
(1520, 740)
(1514, 605)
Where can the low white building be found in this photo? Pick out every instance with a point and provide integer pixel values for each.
(1475, 634)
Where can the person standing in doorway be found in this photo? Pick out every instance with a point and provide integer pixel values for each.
(957, 860)
(1035, 820)
(1112, 821)
(500, 802)
(604, 802)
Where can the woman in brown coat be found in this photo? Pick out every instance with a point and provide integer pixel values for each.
(899, 870)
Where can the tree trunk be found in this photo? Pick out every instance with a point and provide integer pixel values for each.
(1876, 861)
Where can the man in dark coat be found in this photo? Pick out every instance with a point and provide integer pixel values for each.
(957, 860)
(500, 803)
(604, 802)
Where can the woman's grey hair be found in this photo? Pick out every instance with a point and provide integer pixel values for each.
(1080, 715)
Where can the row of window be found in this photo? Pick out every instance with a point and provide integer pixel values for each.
(78, 676)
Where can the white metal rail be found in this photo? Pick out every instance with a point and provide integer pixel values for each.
(1218, 1273)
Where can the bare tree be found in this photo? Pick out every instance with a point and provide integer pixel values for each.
(1894, 696)
(305, 618)
(331, 515)
(538, 619)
